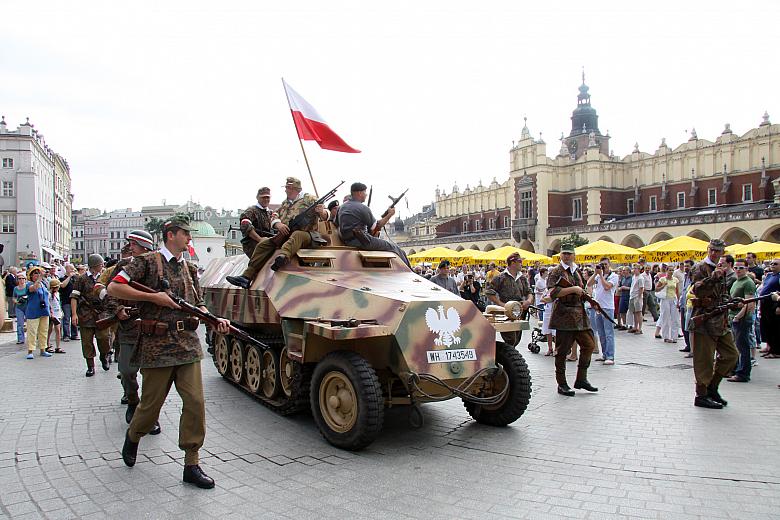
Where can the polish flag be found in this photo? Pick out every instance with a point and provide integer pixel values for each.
(191, 248)
(311, 125)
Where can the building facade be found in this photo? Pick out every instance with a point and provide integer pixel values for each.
(120, 223)
(35, 197)
(727, 188)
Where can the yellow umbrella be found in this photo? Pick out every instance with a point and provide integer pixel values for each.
(763, 249)
(595, 251)
(500, 255)
(437, 254)
(678, 249)
(653, 246)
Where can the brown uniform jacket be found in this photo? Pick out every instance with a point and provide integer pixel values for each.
(174, 347)
(709, 292)
(89, 306)
(255, 218)
(568, 312)
(508, 289)
(114, 304)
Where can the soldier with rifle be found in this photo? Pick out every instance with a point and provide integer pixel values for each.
(711, 332)
(255, 222)
(289, 237)
(169, 350)
(86, 306)
(359, 228)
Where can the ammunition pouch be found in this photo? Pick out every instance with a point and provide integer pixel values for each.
(161, 328)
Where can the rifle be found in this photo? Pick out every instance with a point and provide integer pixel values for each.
(206, 316)
(370, 194)
(306, 218)
(564, 283)
(104, 323)
(733, 303)
(258, 231)
(395, 201)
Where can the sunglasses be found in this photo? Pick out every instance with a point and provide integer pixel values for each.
(740, 268)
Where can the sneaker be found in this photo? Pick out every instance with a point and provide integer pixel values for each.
(66, 338)
(46, 353)
(30, 356)
(602, 359)
(753, 362)
(609, 362)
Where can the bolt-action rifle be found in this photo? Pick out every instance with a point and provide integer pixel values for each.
(564, 283)
(204, 316)
(395, 201)
(306, 219)
(734, 303)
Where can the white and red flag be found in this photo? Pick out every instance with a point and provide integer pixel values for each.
(311, 126)
(191, 248)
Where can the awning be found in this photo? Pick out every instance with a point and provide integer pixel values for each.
(54, 254)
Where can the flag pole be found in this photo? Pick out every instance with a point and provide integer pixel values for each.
(300, 141)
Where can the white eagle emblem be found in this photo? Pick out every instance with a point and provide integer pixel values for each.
(443, 324)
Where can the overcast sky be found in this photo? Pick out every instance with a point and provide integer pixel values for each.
(167, 100)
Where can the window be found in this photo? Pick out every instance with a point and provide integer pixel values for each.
(712, 197)
(526, 204)
(653, 203)
(630, 206)
(8, 188)
(8, 162)
(477, 225)
(465, 226)
(576, 213)
(492, 224)
(680, 199)
(506, 222)
(747, 193)
(7, 223)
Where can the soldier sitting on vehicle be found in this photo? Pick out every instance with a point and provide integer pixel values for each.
(256, 219)
(295, 204)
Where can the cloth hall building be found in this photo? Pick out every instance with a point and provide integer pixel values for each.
(728, 188)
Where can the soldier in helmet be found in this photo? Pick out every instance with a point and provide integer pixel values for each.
(713, 335)
(169, 350)
(295, 203)
(86, 305)
(256, 220)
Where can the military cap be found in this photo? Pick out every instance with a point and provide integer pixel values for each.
(265, 190)
(94, 260)
(333, 204)
(142, 238)
(567, 249)
(357, 186)
(177, 221)
(513, 257)
(717, 244)
(292, 182)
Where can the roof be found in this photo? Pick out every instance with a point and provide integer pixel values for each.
(202, 229)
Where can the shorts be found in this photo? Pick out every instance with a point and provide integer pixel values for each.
(635, 305)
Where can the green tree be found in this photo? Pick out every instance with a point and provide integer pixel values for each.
(574, 240)
(155, 227)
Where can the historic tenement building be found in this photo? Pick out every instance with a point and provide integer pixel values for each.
(727, 188)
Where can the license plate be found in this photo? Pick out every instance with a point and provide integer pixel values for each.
(450, 356)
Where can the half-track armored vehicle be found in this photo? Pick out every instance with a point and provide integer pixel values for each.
(349, 333)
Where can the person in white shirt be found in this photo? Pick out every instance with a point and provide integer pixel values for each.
(604, 283)
(636, 298)
(540, 287)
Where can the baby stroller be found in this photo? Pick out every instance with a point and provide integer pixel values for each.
(536, 335)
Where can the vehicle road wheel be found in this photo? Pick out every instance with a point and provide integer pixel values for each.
(346, 400)
(253, 368)
(221, 354)
(236, 360)
(286, 369)
(514, 403)
(269, 374)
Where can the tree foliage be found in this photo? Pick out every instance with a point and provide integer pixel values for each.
(574, 240)
(155, 227)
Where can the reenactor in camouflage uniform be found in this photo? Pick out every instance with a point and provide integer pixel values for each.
(169, 350)
(295, 204)
(714, 334)
(509, 286)
(570, 321)
(255, 220)
(86, 306)
(138, 243)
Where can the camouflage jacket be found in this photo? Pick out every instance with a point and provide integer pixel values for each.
(112, 304)
(174, 347)
(509, 289)
(568, 312)
(709, 292)
(254, 217)
(289, 210)
(89, 306)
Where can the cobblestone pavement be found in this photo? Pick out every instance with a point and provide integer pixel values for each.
(638, 448)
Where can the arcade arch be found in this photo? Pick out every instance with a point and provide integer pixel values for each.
(736, 236)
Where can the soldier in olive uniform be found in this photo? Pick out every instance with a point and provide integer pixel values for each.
(570, 321)
(86, 306)
(256, 220)
(714, 334)
(169, 350)
(510, 286)
(295, 203)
